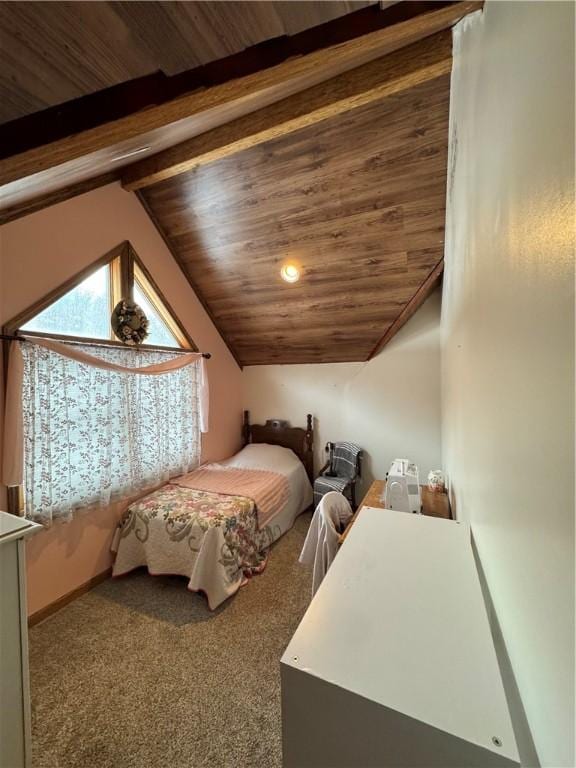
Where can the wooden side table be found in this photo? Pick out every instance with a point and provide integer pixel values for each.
(434, 503)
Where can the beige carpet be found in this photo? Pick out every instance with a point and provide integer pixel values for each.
(139, 673)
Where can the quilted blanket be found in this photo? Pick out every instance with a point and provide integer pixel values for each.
(268, 490)
(213, 539)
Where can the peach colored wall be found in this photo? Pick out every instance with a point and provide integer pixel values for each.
(38, 253)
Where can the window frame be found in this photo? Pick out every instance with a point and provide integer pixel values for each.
(125, 265)
(125, 268)
(144, 283)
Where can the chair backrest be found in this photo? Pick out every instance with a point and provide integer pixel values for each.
(345, 460)
(321, 543)
(335, 510)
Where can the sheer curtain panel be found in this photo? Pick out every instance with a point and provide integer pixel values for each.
(85, 427)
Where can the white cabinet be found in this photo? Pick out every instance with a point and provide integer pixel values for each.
(14, 689)
(393, 664)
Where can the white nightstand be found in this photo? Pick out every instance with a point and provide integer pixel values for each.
(15, 749)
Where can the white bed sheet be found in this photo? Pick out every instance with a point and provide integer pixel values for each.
(275, 458)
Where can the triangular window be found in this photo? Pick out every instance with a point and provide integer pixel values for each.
(158, 332)
(84, 311)
(163, 330)
(81, 308)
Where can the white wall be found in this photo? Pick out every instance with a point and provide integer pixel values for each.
(508, 339)
(390, 405)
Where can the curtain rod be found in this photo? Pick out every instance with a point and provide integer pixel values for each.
(90, 343)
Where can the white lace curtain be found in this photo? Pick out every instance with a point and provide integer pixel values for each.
(86, 429)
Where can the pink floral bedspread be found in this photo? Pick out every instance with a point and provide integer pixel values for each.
(268, 490)
(213, 539)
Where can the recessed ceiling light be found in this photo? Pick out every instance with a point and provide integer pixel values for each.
(290, 273)
(133, 152)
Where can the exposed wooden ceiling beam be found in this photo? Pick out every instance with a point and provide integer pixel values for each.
(27, 207)
(234, 98)
(415, 303)
(117, 101)
(407, 68)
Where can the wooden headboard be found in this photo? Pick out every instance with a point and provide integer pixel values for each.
(278, 432)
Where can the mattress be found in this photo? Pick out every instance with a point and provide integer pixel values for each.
(275, 458)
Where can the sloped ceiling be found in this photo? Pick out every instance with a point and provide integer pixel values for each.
(357, 200)
(155, 126)
(83, 47)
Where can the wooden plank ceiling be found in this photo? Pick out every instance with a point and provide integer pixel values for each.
(327, 148)
(51, 155)
(357, 199)
(54, 154)
(53, 52)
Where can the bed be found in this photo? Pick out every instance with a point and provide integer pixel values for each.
(216, 524)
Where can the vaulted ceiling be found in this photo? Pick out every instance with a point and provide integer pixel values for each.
(53, 52)
(327, 149)
(357, 201)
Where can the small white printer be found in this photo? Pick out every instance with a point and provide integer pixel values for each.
(402, 487)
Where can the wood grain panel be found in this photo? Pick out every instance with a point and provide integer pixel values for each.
(357, 200)
(425, 289)
(410, 67)
(298, 15)
(53, 52)
(97, 148)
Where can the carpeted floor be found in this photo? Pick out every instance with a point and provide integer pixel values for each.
(139, 673)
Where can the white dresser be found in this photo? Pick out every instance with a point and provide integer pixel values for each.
(393, 664)
(14, 689)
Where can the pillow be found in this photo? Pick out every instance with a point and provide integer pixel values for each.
(265, 456)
